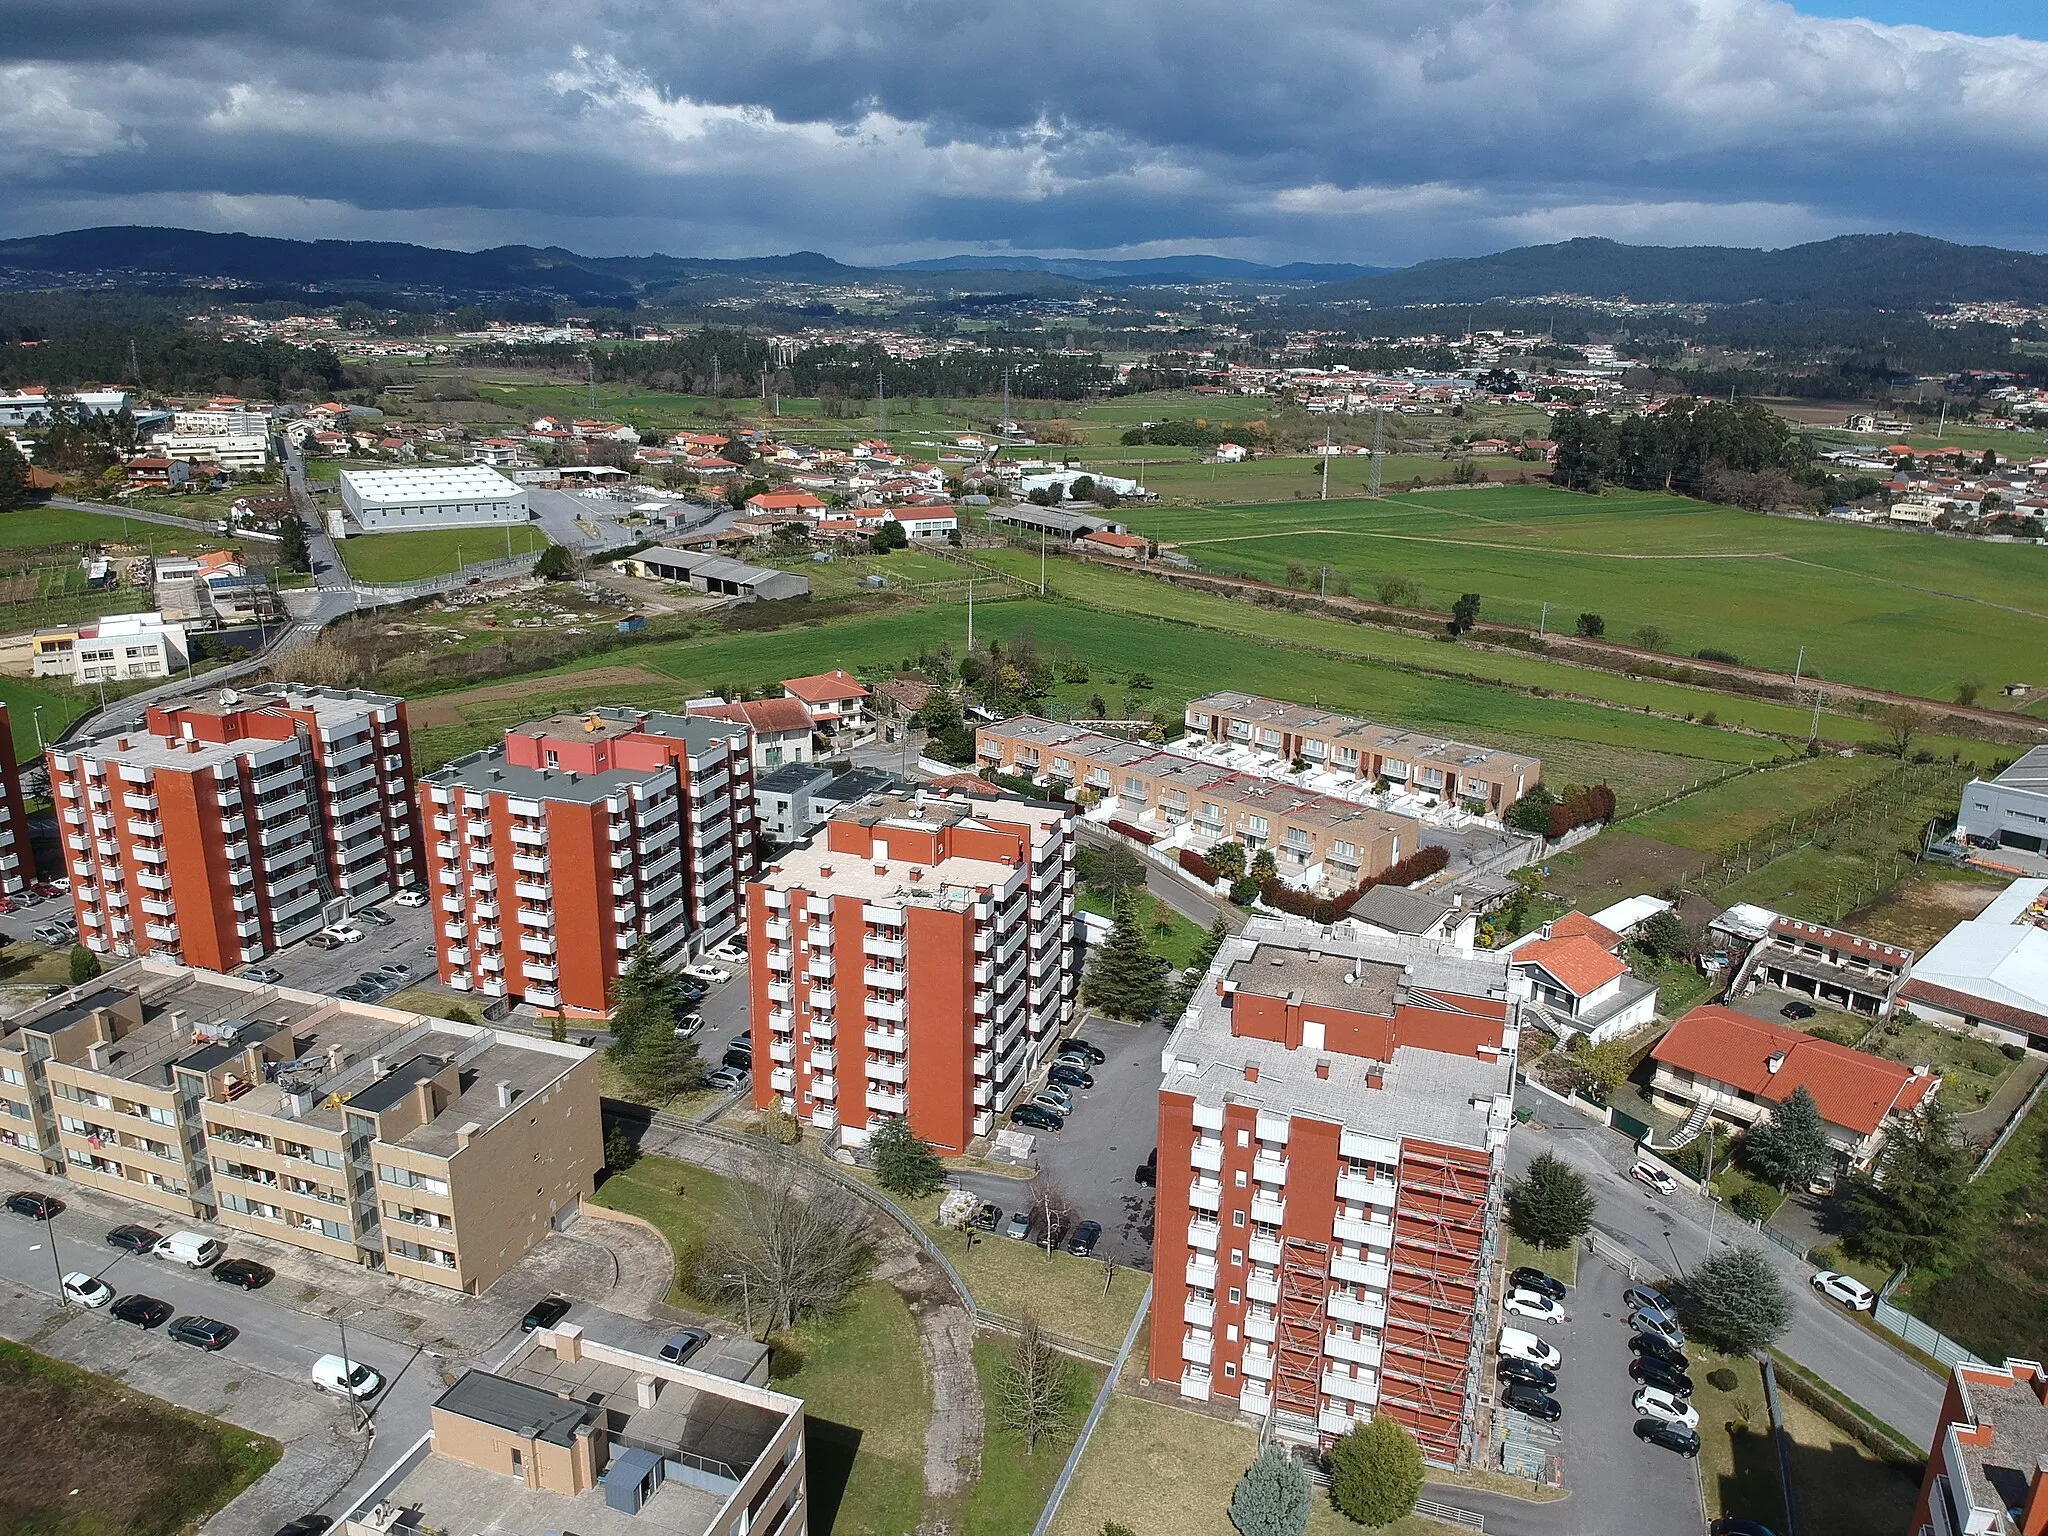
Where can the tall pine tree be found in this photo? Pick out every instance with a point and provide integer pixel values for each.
(1550, 1207)
(645, 1001)
(1272, 1498)
(1792, 1146)
(1914, 1209)
(14, 481)
(1125, 979)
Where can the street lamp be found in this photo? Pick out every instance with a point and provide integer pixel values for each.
(50, 1231)
(356, 1411)
(38, 718)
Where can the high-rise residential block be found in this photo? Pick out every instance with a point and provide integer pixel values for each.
(914, 958)
(581, 836)
(1988, 1468)
(1333, 1127)
(431, 1149)
(17, 860)
(216, 832)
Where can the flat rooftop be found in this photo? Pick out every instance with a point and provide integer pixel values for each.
(455, 1499)
(455, 482)
(720, 1429)
(488, 770)
(1427, 1094)
(1312, 720)
(2018, 1421)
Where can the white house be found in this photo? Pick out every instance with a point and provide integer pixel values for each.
(1578, 982)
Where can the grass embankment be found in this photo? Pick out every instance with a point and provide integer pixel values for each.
(1558, 1263)
(867, 1402)
(1851, 1474)
(1014, 1483)
(87, 1456)
(1164, 1471)
(401, 557)
(1738, 1463)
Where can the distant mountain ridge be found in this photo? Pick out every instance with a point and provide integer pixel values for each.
(1849, 271)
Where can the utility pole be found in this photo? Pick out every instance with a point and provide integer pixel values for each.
(590, 384)
(134, 368)
(1798, 666)
(1543, 623)
(1813, 731)
(1041, 562)
(970, 613)
(1326, 462)
(881, 405)
(348, 1384)
(1379, 428)
(714, 374)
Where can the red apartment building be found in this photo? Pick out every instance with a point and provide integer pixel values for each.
(915, 958)
(1988, 1469)
(1333, 1127)
(217, 832)
(17, 860)
(556, 853)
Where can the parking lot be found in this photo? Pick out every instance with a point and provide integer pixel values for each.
(1095, 1157)
(1605, 1466)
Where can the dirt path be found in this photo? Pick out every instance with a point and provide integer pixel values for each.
(446, 709)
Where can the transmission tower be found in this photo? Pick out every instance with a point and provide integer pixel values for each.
(1379, 431)
(134, 367)
(590, 384)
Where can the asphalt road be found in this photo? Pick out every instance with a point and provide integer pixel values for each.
(1670, 1234)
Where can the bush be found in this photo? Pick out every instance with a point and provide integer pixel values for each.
(1375, 1472)
(1721, 1379)
(1726, 658)
(1753, 1203)
(1272, 1497)
(1198, 866)
(85, 965)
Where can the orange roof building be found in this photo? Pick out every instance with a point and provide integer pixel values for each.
(785, 501)
(835, 701)
(1716, 1061)
(1578, 983)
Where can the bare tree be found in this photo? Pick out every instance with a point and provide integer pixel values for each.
(1052, 1210)
(781, 1252)
(1032, 1389)
(1903, 722)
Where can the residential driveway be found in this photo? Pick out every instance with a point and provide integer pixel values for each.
(1112, 1130)
(1669, 1234)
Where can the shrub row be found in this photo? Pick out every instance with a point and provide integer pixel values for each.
(1419, 865)
(1582, 810)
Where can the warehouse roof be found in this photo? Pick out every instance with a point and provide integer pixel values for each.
(455, 482)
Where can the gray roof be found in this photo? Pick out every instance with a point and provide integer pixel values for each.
(2030, 772)
(1401, 911)
(514, 1405)
(792, 777)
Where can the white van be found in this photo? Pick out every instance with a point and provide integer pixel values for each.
(195, 1250)
(350, 1378)
(1518, 1345)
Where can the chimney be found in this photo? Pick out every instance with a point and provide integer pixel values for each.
(568, 1342)
(96, 1056)
(1777, 1060)
(825, 871)
(1544, 932)
(1251, 1072)
(1323, 1070)
(504, 1093)
(181, 1028)
(336, 1058)
(645, 1390)
(916, 875)
(464, 1132)
(1375, 1076)
(376, 1066)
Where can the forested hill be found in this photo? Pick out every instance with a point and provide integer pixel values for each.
(1849, 272)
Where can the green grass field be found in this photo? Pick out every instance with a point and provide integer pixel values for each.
(60, 705)
(400, 557)
(1721, 817)
(1911, 613)
(1014, 1482)
(36, 527)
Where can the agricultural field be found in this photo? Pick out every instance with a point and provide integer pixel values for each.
(1719, 818)
(400, 557)
(1909, 613)
(1919, 913)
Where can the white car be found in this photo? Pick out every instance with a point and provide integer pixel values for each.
(344, 933)
(1656, 1403)
(1850, 1292)
(711, 975)
(1518, 1344)
(1655, 1177)
(1530, 1304)
(87, 1290)
(732, 952)
(331, 1373)
(411, 896)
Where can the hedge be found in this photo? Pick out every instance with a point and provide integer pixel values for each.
(1419, 865)
(1199, 867)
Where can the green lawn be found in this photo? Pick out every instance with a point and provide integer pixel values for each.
(398, 557)
(679, 1198)
(60, 704)
(38, 527)
(1172, 937)
(1738, 1463)
(1870, 605)
(1559, 1263)
(1718, 818)
(89, 1456)
(1971, 1069)
(1014, 1484)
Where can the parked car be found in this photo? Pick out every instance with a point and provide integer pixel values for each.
(1527, 1279)
(1797, 1010)
(738, 1056)
(87, 1290)
(194, 1250)
(1655, 1177)
(1847, 1289)
(346, 1378)
(1019, 1226)
(1644, 1298)
(1037, 1117)
(344, 932)
(725, 1079)
(1656, 1403)
(325, 940)
(688, 1025)
(411, 896)
(246, 1273)
(1522, 1370)
(1544, 1309)
(683, 1343)
(731, 952)
(1068, 1076)
(144, 1312)
(1654, 1371)
(133, 1239)
(374, 982)
(544, 1314)
(704, 971)
(1079, 1047)
(375, 918)
(397, 971)
(204, 1333)
(48, 933)
(1148, 1171)
(263, 975)
(1659, 1327)
(35, 1207)
(1519, 1344)
(1532, 1400)
(1086, 1236)
(1673, 1437)
(1649, 1346)
(987, 1217)
(1053, 1096)
(356, 992)
(46, 888)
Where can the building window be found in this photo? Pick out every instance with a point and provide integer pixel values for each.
(1240, 1178)
(1237, 1258)
(1236, 1296)
(1229, 1371)
(1237, 1218)
(1244, 1138)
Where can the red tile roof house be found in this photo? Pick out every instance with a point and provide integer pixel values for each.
(784, 501)
(1578, 982)
(837, 705)
(1124, 546)
(782, 727)
(1718, 1062)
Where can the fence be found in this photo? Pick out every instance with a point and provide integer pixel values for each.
(1780, 1439)
(1905, 1326)
(2012, 1125)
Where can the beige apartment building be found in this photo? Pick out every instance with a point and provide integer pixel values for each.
(1319, 843)
(1415, 762)
(424, 1147)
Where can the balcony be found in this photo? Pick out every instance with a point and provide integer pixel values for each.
(781, 1019)
(884, 1102)
(780, 960)
(885, 1008)
(530, 864)
(1198, 1347)
(887, 1069)
(782, 1080)
(824, 1058)
(527, 890)
(1264, 1288)
(1207, 1156)
(1365, 1389)
(780, 991)
(1263, 1250)
(886, 949)
(1267, 1209)
(1202, 1273)
(536, 971)
(1362, 1190)
(821, 1029)
(1269, 1170)
(825, 1088)
(784, 1050)
(883, 1039)
(1262, 1325)
(888, 981)
(1206, 1197)
(1359, 1309)
(528, 837)
(1358, 1271)
(455, 930)
(823, 997)
(1203, 1235)
(1353, 1229)
(1257, 1368)
(1201, 1314)
(823, 967)
(530, 918)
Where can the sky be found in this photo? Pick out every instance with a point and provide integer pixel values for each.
(1373, 131)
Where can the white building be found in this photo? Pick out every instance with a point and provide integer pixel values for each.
(1990, 975)
(2010, 811)
(408, 500)
(227, 421)
(119, 648)
(31, 407)
(239, 453)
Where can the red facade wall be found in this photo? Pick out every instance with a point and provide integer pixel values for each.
(940, 1025)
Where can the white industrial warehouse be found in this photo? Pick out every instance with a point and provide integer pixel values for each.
(409, 500)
